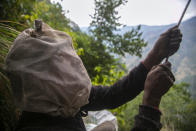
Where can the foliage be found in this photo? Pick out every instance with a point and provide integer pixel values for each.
(177, 107)
(105, 25)
(128, 114)
(7, 111)
(105, 19)
(16, 9)
(103, 29)
(103, 68)
(50, 13)
(96, 59)
(99, 52)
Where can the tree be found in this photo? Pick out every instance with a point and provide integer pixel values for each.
(105, 26)
(13, 12)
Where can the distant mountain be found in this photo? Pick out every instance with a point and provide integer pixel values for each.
(183, 62)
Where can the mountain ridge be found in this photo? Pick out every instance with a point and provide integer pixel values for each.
(184, 61)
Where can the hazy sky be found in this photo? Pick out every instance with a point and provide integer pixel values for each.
(149, 12)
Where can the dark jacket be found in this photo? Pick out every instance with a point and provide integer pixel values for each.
(100, 98)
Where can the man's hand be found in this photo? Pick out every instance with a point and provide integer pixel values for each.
(167, 44)
(157, 83)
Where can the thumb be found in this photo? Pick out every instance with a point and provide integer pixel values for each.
(167, 64)
(170, 30)
(173, 28)
(167, 67)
